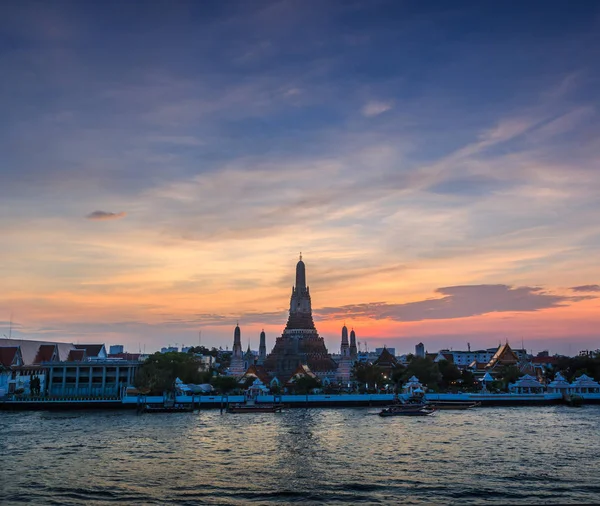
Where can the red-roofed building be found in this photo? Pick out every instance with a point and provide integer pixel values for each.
(46, 353)
(76, 356)
(10, 357)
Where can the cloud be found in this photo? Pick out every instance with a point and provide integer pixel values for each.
(103, 216)
(586, 288)
(469, 186)
(375, 108)
(457, 302)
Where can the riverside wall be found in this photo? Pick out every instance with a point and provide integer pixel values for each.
(292, 401)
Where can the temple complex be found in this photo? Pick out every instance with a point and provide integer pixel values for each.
(300, 343)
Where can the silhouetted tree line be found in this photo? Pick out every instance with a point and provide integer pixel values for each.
(573, 367)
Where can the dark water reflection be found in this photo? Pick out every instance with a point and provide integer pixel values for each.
(495, 455)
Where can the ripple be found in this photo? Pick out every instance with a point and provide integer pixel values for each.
(345, 456)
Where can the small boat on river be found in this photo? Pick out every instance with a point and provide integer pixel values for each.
(407, 411)
(254, 408)
(175, 408)
(251, 406)
(454, 405)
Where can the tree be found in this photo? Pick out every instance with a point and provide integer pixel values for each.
(509, 374)
(397, 375)
(426, 370)
(225, 384)
(468, 380)
(159, 371)
(305, 384)
(203, 350)
(450, 374)
(35, 385)
(367, 374)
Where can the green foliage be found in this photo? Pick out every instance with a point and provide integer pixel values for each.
(35, 385)
(450, 374)
(468, 380)
(203, 350)
(426, 370)
(367, 374)
(509, 374)
(573, 367)
(225, 384)
(305, 384)
(397, 374)
(159, 371)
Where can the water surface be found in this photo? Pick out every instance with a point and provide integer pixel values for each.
(483, 456)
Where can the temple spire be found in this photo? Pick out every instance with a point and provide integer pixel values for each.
(300, 275)
(237, 341)
(345, 348)
(353, 348)
(262, 349)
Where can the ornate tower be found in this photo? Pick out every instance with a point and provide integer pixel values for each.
(300, 318)
(345, 363)
(345, 349)
(237, 341)
(236, 367)
(353, 349)
(262, 349)
(300, 343)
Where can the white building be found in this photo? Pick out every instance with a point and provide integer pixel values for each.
(115, 349)
(420, 350)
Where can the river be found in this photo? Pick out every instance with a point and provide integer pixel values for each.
(483, 456)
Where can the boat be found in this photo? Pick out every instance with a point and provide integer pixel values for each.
(161, 408)
(454, 405)
(407, 411)
(250, 406)
(573, 400)
(420, 401)
(168, 405)
(254, 408)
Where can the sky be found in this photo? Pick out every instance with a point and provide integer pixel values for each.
(163, 164)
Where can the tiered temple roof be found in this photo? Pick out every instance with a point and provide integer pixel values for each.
(504, 356)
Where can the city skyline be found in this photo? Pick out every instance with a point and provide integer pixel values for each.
(436, 165)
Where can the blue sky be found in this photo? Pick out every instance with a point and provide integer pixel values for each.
(404, 147)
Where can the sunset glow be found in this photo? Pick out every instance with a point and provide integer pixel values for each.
(160, 177)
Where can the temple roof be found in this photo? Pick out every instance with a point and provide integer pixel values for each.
(386, 359)
(585, 381)
(257, 371)
(302, 370)
(503, 356)
(527, 381)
